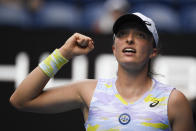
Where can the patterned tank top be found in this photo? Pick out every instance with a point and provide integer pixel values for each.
(110, 112)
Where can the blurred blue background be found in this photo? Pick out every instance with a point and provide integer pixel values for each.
(88, 15)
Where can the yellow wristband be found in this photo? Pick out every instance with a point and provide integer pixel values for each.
(53, 63)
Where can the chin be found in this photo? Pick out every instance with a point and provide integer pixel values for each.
(129, 64)
(129, 61)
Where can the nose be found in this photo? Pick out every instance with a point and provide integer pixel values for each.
(129, 39)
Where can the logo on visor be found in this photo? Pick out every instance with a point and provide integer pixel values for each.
(147, 23)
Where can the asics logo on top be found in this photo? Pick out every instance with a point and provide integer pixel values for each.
(154, 100)
(154, 103)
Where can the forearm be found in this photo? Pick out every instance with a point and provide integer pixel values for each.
(30, 88)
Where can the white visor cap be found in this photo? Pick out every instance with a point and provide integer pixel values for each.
(139, 18)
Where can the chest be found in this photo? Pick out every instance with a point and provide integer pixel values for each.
(148, 107)
(112, 111)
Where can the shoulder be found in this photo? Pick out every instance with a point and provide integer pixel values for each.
(89, 85)
(177, 97)
(177, 100)
(85, 85)
(86, 82)
(179, 111)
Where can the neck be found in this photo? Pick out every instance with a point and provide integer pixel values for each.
(133, 78)
(132, 86)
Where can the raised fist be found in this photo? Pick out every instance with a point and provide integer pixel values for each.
(77, 44)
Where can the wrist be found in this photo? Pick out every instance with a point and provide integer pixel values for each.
(65, 53)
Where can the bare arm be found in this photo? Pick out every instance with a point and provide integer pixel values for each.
(180, 113)
(29, 96)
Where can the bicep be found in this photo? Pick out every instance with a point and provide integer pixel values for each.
(56, 100)
(179, 112)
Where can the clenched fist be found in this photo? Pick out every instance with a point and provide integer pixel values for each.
(77, 44)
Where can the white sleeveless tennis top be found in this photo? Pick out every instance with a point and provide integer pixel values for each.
(110, 112)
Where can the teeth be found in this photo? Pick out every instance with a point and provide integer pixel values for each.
(129, 50)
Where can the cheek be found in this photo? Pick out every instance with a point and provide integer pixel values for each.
(146, 51)
(116, 50)
(117, 46)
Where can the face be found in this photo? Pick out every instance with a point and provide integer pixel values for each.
(133, 47)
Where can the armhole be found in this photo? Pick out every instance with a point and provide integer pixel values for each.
(170, 123)
(91, 101)
(96, 88)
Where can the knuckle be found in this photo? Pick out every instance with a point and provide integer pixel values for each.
(76, 33)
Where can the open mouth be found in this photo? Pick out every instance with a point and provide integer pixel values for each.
(129, 50)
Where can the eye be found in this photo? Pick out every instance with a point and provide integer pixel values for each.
(122, 33)
(141, 35)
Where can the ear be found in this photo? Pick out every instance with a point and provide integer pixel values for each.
(154, 53)
(113, 49)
